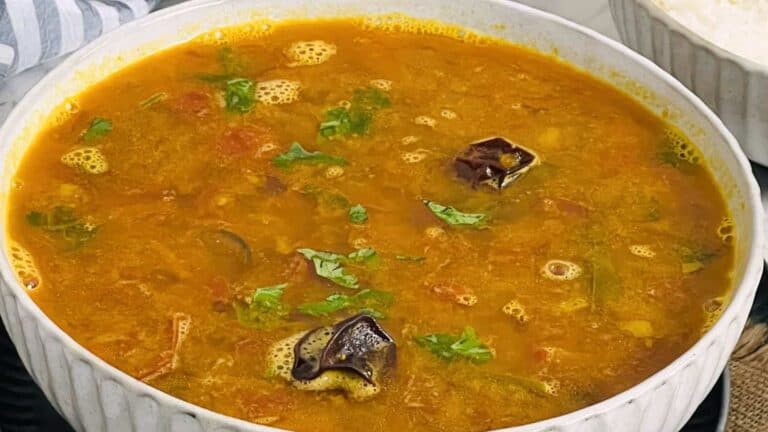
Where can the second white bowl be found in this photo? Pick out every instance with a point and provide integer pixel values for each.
(734, 87)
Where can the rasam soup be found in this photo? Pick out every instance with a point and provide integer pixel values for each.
(333, 226)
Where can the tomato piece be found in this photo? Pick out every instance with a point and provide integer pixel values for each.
(195, 103)
(241, 140)
(220, 294)
(453, 292)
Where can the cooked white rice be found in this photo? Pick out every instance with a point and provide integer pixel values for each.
(739, 26)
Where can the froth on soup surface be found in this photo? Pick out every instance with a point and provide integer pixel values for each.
(201, 210)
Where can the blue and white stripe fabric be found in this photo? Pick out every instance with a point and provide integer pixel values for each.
(33, 31)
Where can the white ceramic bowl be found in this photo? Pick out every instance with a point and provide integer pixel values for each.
(735, 87)
(95, 396)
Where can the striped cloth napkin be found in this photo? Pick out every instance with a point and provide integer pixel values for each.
(33, 31)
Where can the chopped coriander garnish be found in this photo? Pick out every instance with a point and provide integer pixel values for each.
(370, 98)
(155, 98)
(368, 300)
(453, 216)
(326, 256)
(268, 297)
(450, 347)
(339, 122)
(240, 95)
(63, 221)
(331, 304)
(329, 265)
(297, 154)
(263, 307)
(362, 255)
(98, 128)
(358, 214)
(334, 272)
(693, 260)
(355, 119)
(605, 283)
(230, 62)
(410, 257)
(215, 78)
(326, 197)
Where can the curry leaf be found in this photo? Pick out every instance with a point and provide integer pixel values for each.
(358, 214)
(98, 128)
(453, 216)
(240, 95)
(297, 154)
(450, 347)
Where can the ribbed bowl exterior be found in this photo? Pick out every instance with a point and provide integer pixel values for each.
(735, 88)
(94, 396)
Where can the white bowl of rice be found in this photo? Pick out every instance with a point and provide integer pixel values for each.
(716, 48)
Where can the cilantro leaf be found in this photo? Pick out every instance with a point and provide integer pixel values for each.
(371, 298)
(78, 234)
(63, 221)
(155, 98)
(410, 257)
(229, 61)
(338, 121)
(36, 218)
(358, 214)
(269, 297)
(240, 95)
(326, 197)
(694, 259)
(215, 78)
(98, 128)
(450, 347)
(326, 256)
(331, 304)
(370, 98)
(297, 154)
(453, 216)
(329, 264)
(263, 308)
(355, 119)
(362, 255)
(367, 300)
(334, 272)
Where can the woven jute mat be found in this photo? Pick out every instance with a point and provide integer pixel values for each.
(749, 381)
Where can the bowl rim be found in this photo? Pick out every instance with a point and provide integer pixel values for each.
(743, 291)
(700, 41)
